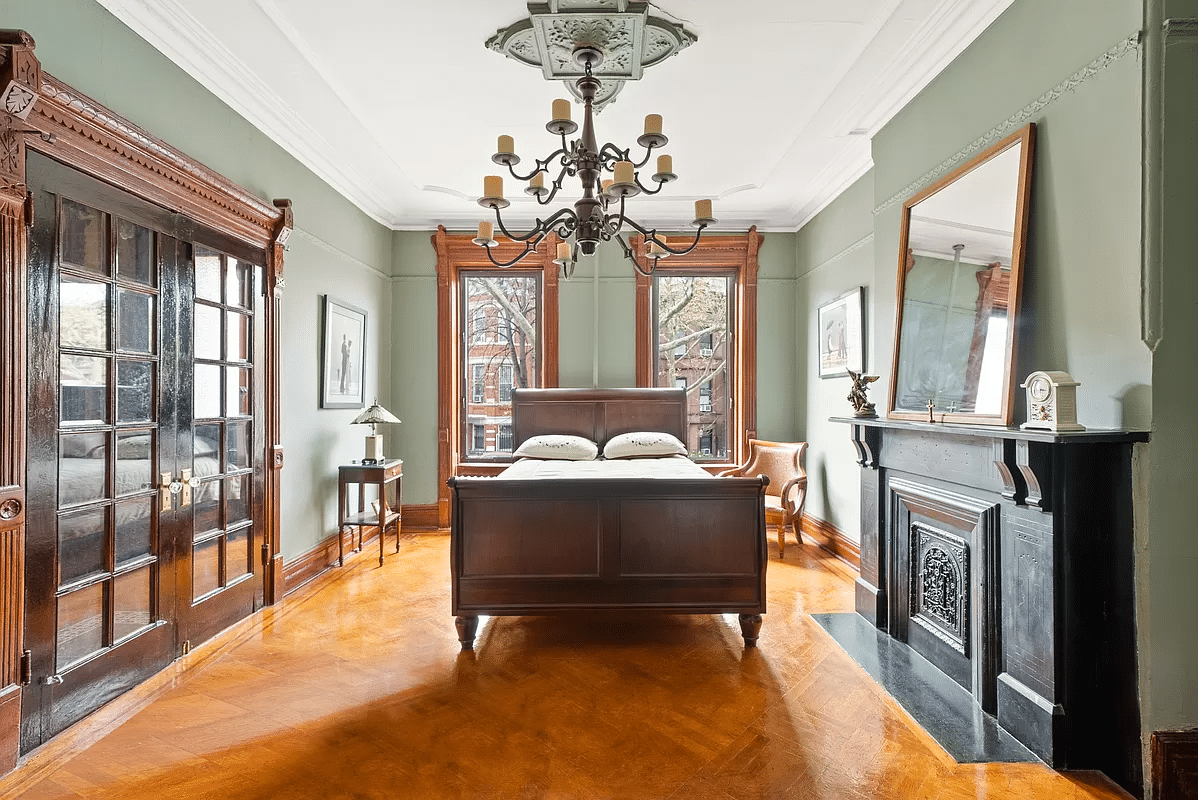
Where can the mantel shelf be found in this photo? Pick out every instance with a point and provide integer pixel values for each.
(1088, 436)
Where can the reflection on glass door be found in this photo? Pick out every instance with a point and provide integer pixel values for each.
(222, 475)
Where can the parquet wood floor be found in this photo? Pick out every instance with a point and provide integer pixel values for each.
(357, 689)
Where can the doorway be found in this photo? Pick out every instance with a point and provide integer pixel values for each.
(145, 442)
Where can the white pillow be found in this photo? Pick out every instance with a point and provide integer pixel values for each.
(558, 446)
(643, 444)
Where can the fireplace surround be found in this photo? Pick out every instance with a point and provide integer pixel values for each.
(1005, 558)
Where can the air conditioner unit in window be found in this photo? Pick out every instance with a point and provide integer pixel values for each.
(706, 451)
(705, 408)
(705, 352)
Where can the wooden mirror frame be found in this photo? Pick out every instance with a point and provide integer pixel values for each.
(1026, 137)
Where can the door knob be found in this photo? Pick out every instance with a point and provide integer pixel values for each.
(52, 680)
(186, 486)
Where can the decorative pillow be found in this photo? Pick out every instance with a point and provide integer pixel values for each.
(203, 447)
(558, 446)
(643, 444)
(134, 447)
(80, 445)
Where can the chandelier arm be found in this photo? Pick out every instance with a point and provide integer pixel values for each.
(541, 163)
(557, 185)
(539, 230)
(645, 160)
(631, 256)
(651, 236)
(528, 248)
(609, 152)
(645, 189)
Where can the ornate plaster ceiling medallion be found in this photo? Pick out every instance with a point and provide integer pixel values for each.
(621, 30)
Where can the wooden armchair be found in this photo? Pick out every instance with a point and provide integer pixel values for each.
(782, 463)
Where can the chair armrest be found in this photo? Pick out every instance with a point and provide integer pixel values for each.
(801, 483)
(735, 472)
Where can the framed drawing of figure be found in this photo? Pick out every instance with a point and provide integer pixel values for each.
(840, 344)
(342, 371)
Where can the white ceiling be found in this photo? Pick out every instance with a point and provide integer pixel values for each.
(397, 104)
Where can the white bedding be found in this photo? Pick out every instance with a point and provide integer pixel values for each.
(649, 468)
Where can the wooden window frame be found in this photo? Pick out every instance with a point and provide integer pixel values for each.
(736, 252)
(457, 253)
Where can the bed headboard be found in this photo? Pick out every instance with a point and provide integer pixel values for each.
(597, 414)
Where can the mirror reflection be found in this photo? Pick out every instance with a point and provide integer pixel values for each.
(959, 287)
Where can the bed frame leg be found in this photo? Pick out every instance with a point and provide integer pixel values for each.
(468, 625)
(750, 626)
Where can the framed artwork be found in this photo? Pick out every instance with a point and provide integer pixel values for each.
(841, 345)
(343, 356)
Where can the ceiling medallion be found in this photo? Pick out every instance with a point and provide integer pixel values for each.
(622, 30)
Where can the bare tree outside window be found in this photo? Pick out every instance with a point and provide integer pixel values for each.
(694, 329)
(502, 351)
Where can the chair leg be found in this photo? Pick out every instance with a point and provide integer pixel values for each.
(781, 540)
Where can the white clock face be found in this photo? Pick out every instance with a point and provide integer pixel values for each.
(1038, 389)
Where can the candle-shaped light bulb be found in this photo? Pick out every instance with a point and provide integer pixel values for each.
(507, 145)
(702, 209)
(624, 172)
(665, 163)
(607, 182)
(493, 186)
(653, 123)
(538, 181)
(656, 250)
(561, 109)
(563, 251)
(485, 230)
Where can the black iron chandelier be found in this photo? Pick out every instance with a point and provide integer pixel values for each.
(599, 215)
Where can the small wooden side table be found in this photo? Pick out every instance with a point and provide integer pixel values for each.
(382, 475)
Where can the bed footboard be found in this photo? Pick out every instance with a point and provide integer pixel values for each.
(694, 546)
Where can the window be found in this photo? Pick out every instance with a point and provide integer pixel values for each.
(478, 323)
(478, 438)
(680, 383)
(477, 382)
(505, 439)
(505, 383)
(697, 323)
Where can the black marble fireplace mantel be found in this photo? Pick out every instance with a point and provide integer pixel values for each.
(1005, 557)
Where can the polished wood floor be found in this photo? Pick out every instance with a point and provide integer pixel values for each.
(356, 689)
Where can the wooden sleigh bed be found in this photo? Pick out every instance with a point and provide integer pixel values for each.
(675, 545)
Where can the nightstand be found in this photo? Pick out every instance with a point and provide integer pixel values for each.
(383, 475)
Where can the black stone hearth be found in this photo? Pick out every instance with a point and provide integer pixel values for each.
(934, 700)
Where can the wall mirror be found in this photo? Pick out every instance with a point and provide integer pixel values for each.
(960, 267)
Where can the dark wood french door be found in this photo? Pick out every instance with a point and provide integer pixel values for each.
(145, 449)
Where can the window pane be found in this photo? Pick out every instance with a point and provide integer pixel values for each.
(237, 336)
(240, 283)
(134, 462)
(238, 446)
(133, 529)
(134, 252)
(83, 478)
(206, 499)
(237, 386)
(206, 445)
(134, 391)
(207, 391)
(501, 353)
(80, 624)
(131, 593)
(208, 273)
(84, 389)
(237, 554)
(84, 236)
(207, 332)
(135, 321)
(81, 545)
(83, 313)
(238, 498)
(693, 324)
(205, 568)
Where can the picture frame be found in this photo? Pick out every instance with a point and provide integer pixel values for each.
(343, 355)
(840, 341)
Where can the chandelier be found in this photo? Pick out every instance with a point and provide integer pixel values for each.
(599, 215)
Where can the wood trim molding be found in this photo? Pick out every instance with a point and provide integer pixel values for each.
(322, 559)
(422, 518)
(274, 583)
(731, 251)
(1175, 765)
(457, 252)
(832, 539)
(94, 139)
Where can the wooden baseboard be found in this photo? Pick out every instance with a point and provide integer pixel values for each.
(421, 518)
(312, 564)
(10, 728)
(1175, 765)
(832, 539)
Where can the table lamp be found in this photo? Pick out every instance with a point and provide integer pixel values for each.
(374, 442)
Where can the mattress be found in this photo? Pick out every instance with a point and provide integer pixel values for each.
(625, 468)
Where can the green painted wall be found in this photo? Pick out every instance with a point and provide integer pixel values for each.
(1110, 267)
(414, 368)
(337, 249)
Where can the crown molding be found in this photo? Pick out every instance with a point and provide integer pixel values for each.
(172, 30)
